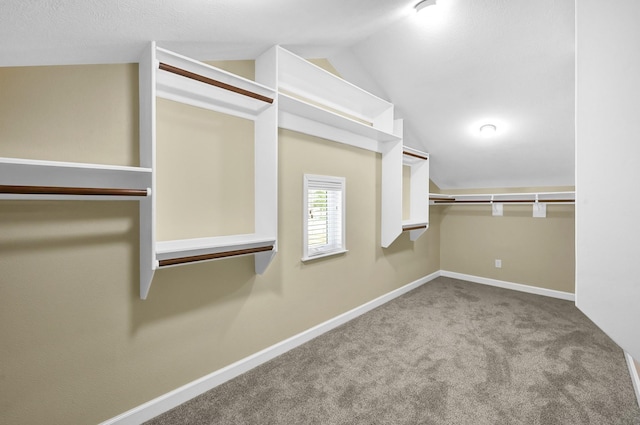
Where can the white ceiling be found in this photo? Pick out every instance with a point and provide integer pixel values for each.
(510, 62)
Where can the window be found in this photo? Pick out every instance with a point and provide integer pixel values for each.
(324, 216)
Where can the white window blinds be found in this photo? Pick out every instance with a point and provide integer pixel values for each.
(324, 216)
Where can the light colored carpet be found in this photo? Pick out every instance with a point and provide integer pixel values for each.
(449, 352)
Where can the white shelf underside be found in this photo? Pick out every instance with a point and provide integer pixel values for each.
(310, 119)
(202, 246)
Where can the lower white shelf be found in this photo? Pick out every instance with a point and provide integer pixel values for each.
(414, 225)
(187, 251)
(184, 251)
(415, 228)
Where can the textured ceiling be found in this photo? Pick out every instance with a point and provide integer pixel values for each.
(89, 31)
(510, 62)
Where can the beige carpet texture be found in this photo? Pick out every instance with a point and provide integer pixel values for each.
(448, 352)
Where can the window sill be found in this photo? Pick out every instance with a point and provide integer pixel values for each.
(326, 254)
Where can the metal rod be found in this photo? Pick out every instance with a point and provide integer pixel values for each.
(442, 199)
(415, 155)
(501, 201)
(204, 257)
(211, 81)
(55, 190)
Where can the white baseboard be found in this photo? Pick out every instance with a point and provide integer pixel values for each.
(634, 376)
(510, 285)
(180, 395)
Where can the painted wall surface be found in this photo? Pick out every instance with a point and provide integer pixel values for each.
(534, 251)
(78, 345)
(607, 149)
(205, 178)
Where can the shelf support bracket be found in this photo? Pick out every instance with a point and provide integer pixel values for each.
(262, 260)
(497, 210)
(539, 209)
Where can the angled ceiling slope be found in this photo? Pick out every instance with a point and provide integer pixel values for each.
(509, 63)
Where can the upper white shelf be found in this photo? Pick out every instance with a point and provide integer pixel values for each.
(307, 80)
(333, 125)
(507, 198)
(195, 83)
(411, 156)
(72, 180)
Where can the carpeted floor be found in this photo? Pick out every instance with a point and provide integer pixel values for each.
(449, 352)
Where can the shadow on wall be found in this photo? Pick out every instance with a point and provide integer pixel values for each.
(88, 252)
(225, 284)
(40, 226)
(395, 253)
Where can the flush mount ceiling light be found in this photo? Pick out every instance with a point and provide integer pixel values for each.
(488, 130)
(424, 4)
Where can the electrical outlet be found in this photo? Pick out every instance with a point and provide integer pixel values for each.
(498, 264)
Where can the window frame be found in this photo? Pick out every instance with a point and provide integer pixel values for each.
(329, 249)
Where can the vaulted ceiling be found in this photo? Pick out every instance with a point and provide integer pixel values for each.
(505, 62)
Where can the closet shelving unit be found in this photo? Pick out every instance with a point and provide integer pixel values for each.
(314, 101)
(418, 221)
(169, 75)
(393, 160)
(289, 92)
(538, 200)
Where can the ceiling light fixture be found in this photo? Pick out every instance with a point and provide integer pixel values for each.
(488, 130)
(424, 4)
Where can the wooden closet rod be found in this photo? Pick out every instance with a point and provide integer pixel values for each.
(404, 229)
(192, 259)
(499, 201)
(415, 155)
(211, 81)
(56, 190)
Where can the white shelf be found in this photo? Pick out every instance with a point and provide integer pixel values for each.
(31, 172)
(197, 93)
(539, 200)
(307, 118)
(412, 156)
(305, 79)
(567, 197)
(173, 249)
(414, 223)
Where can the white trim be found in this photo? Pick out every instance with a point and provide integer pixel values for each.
(180, 395)
(326, 254)
(635, 379)
(510, 285)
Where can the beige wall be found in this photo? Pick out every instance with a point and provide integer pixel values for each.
(204, 162)
(534, 251)
(406, 192)
(78, 345)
